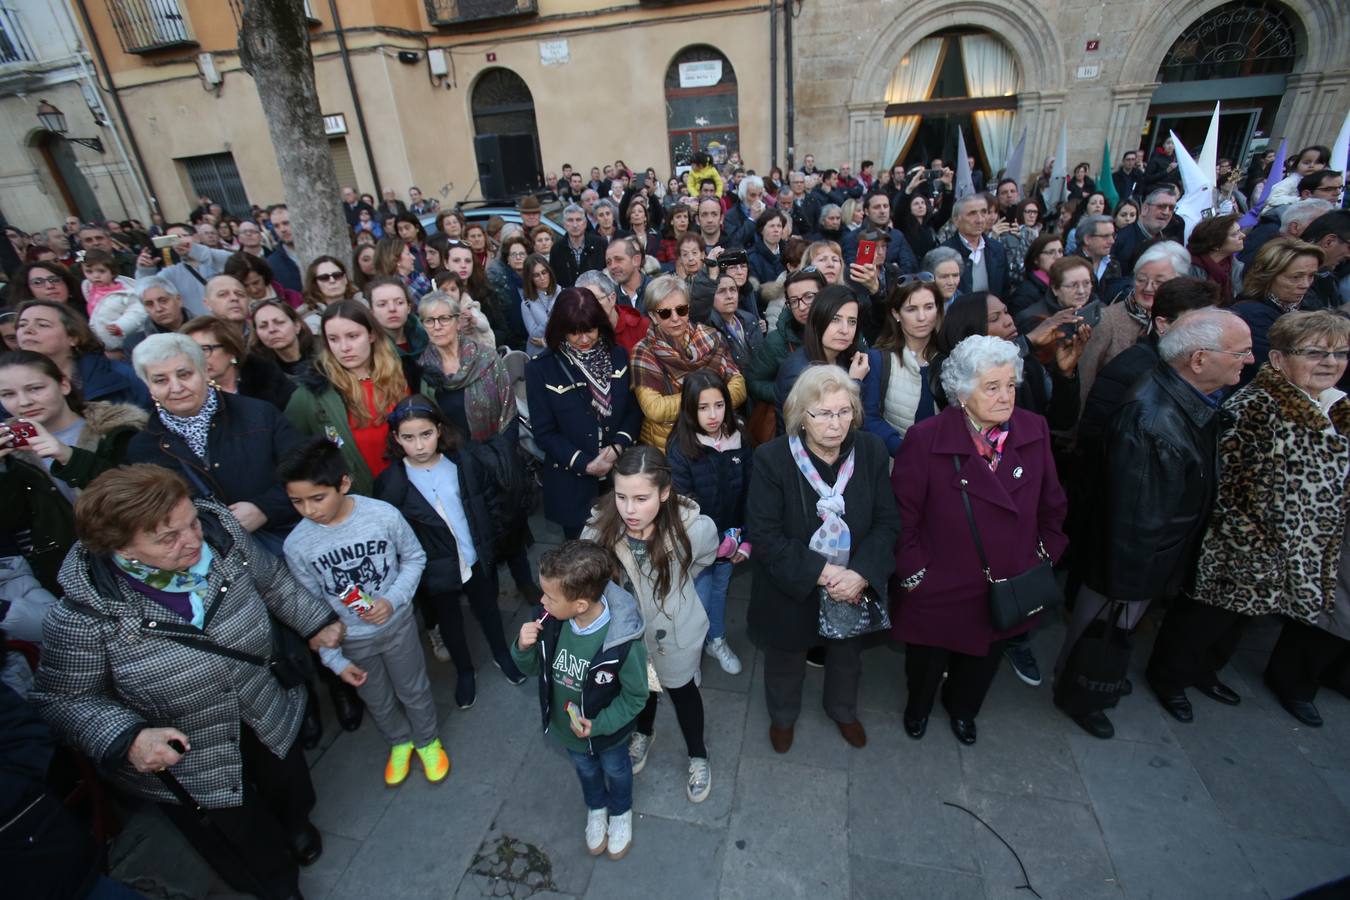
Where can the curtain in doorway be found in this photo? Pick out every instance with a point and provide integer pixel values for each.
(912, 81)
(990, 71)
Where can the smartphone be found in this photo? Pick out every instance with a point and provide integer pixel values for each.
(1090, 313)
(165, 241)
(22, 432)
(867, 253)
(934, 174)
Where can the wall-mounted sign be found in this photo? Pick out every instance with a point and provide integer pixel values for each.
(1086, 72)
(700, 74)
(554, 53)
(1093, 45)
(335, 124)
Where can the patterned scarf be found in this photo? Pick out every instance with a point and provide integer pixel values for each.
(194, 429)
(832, 539)
(597, 368)
(988, 442)
(191, 583)
(661, 366)
(1138, 313)
(489, 404)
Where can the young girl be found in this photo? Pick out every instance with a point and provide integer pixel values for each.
(710, 464)
(442, 488)
(662, 543)
(101, 279)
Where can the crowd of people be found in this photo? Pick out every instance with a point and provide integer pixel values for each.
(233, 478)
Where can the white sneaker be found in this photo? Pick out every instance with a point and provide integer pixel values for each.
(720, 650)
(620, 835)
(700, 779)
(437, 645)
(597, 823)
(639, 745)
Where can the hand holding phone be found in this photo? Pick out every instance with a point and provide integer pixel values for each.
(867, 253)
(20, 432)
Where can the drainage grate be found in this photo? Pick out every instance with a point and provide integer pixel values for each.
(507, 867)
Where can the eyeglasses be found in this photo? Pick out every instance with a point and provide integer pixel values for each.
(49, 281)
(1239, 354)
(682, 311)
(329, 276)
(439, 321)
(916, 278)
(802, 301)
(843, 415)
(208, 349)
(1317, 354)
(1149, 283)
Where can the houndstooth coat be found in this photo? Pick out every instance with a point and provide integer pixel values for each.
(106, 672)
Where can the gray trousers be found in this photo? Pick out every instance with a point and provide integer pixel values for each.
(397, 691)
(1092, 605)
(785, 671)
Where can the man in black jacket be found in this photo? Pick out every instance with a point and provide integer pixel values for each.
(1156, 222)
(1126, 178)
(582, 251)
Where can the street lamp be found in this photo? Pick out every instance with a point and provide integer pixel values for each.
(54, 121)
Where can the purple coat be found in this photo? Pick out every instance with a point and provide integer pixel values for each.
(1014, 507)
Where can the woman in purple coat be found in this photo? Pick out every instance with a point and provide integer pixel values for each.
(1002, 457)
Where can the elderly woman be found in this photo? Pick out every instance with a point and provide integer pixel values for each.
(164, 309)
(582, 410)
(740, 328)
(1072, 286)
(1124, 323)
(1279, 277)
(1040, 255)
(1276, 542)
(158, 660)
(671, 350)
(630, 326)
(59, 333)
(226, 444)
(809, 555)
(896, 392)
(945, 264)
(1214, 245)
(985, 455)
(232, 370)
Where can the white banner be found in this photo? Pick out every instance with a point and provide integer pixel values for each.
(700, 74)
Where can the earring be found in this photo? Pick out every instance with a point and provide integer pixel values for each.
(233, 361)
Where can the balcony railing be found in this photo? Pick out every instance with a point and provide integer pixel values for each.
(146, 25)
(454, 12)
(14, 46)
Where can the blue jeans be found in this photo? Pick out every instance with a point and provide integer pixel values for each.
(606, 778)
(711, 585)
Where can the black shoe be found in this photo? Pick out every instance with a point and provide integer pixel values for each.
(348, 706)
(311, 726)
(306, 845)
(1023, 662)
(1178, 706)
(466, 690)
(1096, 724)
(815, 657)
(964, 729)
(1220, 692)
(508, 667)
(1126, 688)
(916, 728)
(1303, 710)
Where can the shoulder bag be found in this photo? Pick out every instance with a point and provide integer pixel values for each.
(1012, 601)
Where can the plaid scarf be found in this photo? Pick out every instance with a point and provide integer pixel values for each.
(660, 366)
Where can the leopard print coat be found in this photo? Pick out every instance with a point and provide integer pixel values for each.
(1273, 544)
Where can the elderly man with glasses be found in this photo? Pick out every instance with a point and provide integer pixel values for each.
(1157, 220)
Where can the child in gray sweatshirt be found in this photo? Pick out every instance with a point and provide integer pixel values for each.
(362, 557)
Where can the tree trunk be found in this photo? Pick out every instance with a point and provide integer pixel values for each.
(274, 49)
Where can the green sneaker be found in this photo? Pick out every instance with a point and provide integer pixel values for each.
(400, 758)
(435, 761)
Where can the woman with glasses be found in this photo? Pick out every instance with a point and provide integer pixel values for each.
(46, 281)
(582, 409)
(1072, 286)
(506, 275)
(1007, 481)
(740, 328)
(1279, 277)
(1026, 227)
(233, 371)
(800, 290)
(326, 282)
(1214, 245)
(280, 335)
(896, 392)
(537, 297)
(674, 347)
(1276, 542)
(824, 525)
(1034, 289)
(831, 336)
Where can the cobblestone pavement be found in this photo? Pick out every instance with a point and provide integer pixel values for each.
(1243, 803)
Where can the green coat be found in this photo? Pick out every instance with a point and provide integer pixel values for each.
(777, 345)
(316, 409)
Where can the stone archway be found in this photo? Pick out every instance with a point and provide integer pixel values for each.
(1019, 23)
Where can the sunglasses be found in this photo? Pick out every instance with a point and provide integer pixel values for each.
(330, 276)
(682, 311)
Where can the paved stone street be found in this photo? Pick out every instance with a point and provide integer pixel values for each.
(1244, 803)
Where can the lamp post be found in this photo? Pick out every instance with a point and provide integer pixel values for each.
(54, 121)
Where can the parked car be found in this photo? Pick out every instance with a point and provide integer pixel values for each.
(482, 210)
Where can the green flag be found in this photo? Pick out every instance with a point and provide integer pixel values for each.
(1106, 183)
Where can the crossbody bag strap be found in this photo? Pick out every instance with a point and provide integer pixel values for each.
(217, 649)
(970, 517)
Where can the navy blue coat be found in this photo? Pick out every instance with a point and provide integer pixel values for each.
(995, 263)
(111, 381)
(248, 438)
(567, 430)
(898, 251)
(765, 265)
(284, 269)
(1259, 316)
(717, 481)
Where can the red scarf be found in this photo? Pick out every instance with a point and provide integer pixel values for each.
(1221, 273)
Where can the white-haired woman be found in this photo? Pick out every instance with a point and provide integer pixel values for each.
(1000, 458)
(1124, 322)
(842, 544)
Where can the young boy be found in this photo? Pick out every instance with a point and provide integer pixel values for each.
(592, 668)
(101, 278)
(361, 555)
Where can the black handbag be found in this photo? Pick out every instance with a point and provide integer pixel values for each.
(1095, 671)
(1012, 601)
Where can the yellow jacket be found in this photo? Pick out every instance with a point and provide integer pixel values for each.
(659, 411)
(694, 176)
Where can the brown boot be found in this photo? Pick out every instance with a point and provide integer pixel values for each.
(780, 738)
(853, 733)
